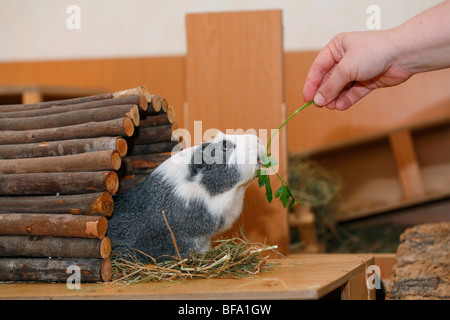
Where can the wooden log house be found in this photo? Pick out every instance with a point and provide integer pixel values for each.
(61, 162)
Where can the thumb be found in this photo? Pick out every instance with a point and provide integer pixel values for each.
(333, 86)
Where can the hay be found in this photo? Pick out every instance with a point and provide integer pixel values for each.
(312, 184)
(228, 258)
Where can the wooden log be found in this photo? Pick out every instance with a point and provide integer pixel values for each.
(157, 147)
(133, 92)
(56, 225)
(140, 101)
(157, 120)
(155, 106)
(41, 247)
(54, 270)
(51, 104)
(116, 127)
(62, 148)
(90, 161)
(142, 164)
(100, 203)
(72, 118)
(154, 134)
(58, 183)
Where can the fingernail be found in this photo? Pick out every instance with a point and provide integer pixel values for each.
(319, 99)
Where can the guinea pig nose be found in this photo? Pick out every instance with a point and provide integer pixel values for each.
(259, 159)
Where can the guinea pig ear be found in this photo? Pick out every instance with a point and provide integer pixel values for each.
(219, 134)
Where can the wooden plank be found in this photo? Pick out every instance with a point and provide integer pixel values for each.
(309, 276)
(47, 90)
(234, 80)
(368, 184)
(356, 288)
(407, 165)
(31, 96)
(432, 147)
(442, 121)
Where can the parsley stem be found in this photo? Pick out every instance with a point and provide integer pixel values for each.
(284, 193)
(287, 120)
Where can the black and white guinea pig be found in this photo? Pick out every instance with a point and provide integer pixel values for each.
(201, 191)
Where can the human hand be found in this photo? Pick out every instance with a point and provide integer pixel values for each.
(351, 66)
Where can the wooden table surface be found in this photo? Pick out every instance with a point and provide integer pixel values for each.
(308, 276)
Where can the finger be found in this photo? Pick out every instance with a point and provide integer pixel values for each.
(349, 97)
(324, 62)
(330, 89)
(325, 78)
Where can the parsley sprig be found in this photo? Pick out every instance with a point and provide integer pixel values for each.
(284, 192)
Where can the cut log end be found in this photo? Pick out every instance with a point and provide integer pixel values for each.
(97, 228)
(104, 204)
(164, 104)
(170, 114)
(116, 160)
(112, 182)
(121, 146)
(156, 103)
(106, 270)
(143, 102)
(128, 127)
(133, 114)
(105, 248)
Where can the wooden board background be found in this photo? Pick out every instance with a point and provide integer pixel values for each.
(234, 78)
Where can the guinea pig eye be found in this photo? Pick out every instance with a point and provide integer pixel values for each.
(227, 145)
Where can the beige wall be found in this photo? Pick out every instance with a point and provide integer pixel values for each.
(36, 30)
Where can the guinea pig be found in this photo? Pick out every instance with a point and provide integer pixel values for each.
(201, 191)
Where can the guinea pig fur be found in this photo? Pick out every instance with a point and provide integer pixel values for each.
(201, 191)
